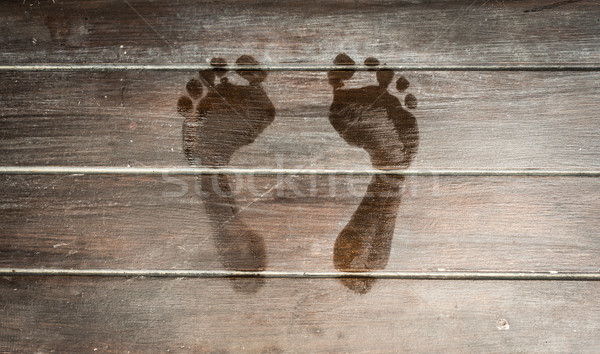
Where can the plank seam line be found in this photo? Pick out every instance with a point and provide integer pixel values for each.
(297, 67)
(446, 275)
(192, 171)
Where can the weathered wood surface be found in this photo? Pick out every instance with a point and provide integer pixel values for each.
(467, 120)
(518, 120)
(397, 32)
(206, 315)
(443, 223)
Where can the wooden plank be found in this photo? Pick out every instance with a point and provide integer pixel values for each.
(208, 315)
(301, 223)
(397, 32)
(466, 120)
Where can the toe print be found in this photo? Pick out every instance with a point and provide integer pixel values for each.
(227, 117)
(220, 119)
(373, 119)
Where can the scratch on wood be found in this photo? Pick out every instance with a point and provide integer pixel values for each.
(552, 6)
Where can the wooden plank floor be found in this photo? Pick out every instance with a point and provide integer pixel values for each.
(455, 223)
(199, 315)
(366, 176)
(549, 120)
(397, 32)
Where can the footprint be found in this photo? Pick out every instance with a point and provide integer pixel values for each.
(373, 119)
(219, 120)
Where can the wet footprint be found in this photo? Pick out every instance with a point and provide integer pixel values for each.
(221, 118)
(373, 119)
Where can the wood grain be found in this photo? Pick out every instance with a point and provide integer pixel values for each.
(397, 32)
(443, 223)
(467, 120)
(201, 315)
(540, 118)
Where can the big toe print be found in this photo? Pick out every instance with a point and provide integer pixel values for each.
(220, 118)
(373, 119)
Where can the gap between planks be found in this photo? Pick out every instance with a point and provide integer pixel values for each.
(440, 275)
(182, 171)
(297, 67)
